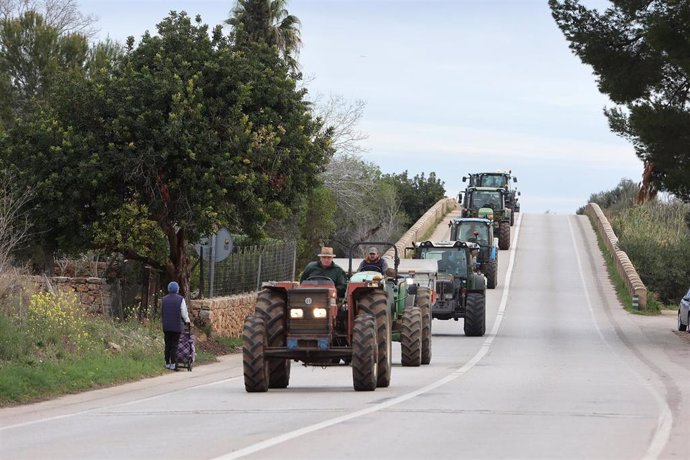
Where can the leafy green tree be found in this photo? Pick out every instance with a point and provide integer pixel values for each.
(185, 132)
(639, 52)
(32, 55)
(416, 194)
(267, 21)
(211, 137)
(52, 119)
(617, 199)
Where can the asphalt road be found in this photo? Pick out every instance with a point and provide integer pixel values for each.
(563, 372)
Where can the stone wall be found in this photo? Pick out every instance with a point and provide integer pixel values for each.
(93, 293)
(224, 316)
(624, 266)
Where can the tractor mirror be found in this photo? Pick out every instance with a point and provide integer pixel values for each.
(464, 178)
(514, 179)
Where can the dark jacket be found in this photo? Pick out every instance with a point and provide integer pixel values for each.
(334, 272)
(171, 313)
(379, 265)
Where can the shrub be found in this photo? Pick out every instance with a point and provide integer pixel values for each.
(655, 237)
(57, 319)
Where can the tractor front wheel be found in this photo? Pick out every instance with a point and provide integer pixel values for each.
(504, 235)
(254, 363)
(490, 270)
(475, 314)
(411, 337)
(271, 306)
(364, 353)
(423, 301)
(375, 303)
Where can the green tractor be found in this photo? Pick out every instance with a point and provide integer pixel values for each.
(500, 179)
(410, 312)
(460, 290)
(306, 322)
(480, 231)
(489, 203)
(420, 277)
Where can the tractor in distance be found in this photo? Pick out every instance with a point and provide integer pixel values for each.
(489, 203)
(460, 290)
(503, 179)
(480, 231)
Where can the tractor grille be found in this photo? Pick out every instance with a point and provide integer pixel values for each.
(309, 326)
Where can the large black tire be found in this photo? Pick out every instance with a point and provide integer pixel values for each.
(423, 301)
(364, 353)
(681, 326)
(490, 270)
(271, 306)
(411, 337)
(512, 218)
(475, 314)
(504, 235)
(254, 339)
(376, 304)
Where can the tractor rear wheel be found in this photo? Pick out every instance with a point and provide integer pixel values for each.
(423, 301)
(375, 303)
(475, 314)
(504, 235)
(271, 306)
(411, 337)
(364, 353)
(254, 363)
(490, 270)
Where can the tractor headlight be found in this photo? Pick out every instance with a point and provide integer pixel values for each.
(409, 280)
(319, 313)
(296, 313)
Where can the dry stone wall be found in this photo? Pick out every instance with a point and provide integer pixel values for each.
(93, 293)
(624, 266)
(224, 316)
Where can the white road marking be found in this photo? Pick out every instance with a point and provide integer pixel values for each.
(665, 420)
(95, 409)
(413, 394)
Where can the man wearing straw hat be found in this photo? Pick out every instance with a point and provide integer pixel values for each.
(325, 267)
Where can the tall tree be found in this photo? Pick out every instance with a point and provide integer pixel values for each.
(183, 136)
(416, 194)
(640, 53)
(63, 15)
(210, 137)
(32, 54)
(267, 21)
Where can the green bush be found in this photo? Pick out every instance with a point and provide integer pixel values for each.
(655, 237)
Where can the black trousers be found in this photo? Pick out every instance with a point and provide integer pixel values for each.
(171, 341)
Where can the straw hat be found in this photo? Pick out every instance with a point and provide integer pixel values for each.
(326, 252)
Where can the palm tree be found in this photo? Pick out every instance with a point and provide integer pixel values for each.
(270, 22)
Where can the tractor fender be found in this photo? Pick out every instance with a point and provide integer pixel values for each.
(492, 253)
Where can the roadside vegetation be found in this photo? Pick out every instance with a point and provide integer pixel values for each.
(132, 152)
(655, 235)
(49, 346)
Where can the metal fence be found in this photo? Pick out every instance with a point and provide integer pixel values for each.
(247, 267)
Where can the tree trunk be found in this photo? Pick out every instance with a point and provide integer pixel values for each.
(178, 268)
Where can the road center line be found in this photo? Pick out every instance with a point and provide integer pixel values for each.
(413, 394)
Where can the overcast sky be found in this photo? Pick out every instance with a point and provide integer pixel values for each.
(451, 86)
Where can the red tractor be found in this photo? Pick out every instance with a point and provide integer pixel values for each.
(307, 323)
